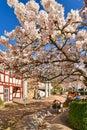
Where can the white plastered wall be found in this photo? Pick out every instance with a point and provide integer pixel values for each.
(1, 91)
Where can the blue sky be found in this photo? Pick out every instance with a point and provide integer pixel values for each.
(8, 20)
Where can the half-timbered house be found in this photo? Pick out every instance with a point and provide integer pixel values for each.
(10, 87)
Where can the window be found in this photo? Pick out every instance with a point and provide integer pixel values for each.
(1, 69)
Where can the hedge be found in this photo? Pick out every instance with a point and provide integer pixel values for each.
(78, 115)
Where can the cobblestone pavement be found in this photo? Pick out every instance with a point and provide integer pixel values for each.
(34, 115)
(62, 98)
(58, 122)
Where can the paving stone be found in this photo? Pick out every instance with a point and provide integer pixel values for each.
(34, 116)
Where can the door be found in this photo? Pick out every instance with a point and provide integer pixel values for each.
(6, 94)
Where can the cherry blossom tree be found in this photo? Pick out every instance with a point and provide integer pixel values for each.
(47, 44)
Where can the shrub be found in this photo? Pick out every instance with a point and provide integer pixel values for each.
(56, 91)
(53, 91)
(83, 93)
(78, 115)
(1, 102)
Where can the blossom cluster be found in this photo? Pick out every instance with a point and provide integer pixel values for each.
(43, 27)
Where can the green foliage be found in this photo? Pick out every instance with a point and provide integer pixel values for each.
(78, 115)
(83, 93)
(56, 91)
(1, 102)
(56, 87)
